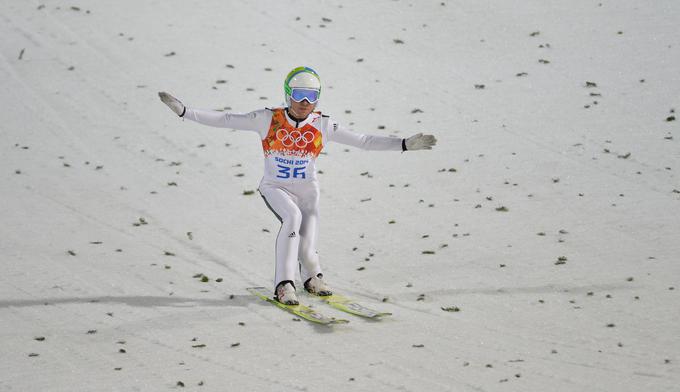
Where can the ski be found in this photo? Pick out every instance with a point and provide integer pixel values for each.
(303, 311)
(351, 306)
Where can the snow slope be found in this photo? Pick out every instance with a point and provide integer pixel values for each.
(113, 209)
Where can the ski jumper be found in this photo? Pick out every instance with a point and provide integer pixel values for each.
(289, 186)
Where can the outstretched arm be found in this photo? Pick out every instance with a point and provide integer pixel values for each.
(254, 121)
(383, 143)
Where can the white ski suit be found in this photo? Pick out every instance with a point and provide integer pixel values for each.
(289, 186)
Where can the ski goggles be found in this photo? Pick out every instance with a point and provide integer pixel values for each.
(300, 94)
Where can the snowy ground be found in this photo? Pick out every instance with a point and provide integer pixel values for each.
(560, 111)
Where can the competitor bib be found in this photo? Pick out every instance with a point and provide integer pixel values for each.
(290, 152)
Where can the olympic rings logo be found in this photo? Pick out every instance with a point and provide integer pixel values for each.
(294, 138)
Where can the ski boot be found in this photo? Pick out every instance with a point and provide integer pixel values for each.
(285, 293)
(315, 285)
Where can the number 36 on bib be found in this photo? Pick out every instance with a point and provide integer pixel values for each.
(288, 172)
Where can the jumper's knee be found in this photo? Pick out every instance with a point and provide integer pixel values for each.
(292, 221)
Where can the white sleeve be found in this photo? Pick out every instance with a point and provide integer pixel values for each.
(257, 121)
(342, 135)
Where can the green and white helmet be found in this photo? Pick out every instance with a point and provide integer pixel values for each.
(303, 79)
